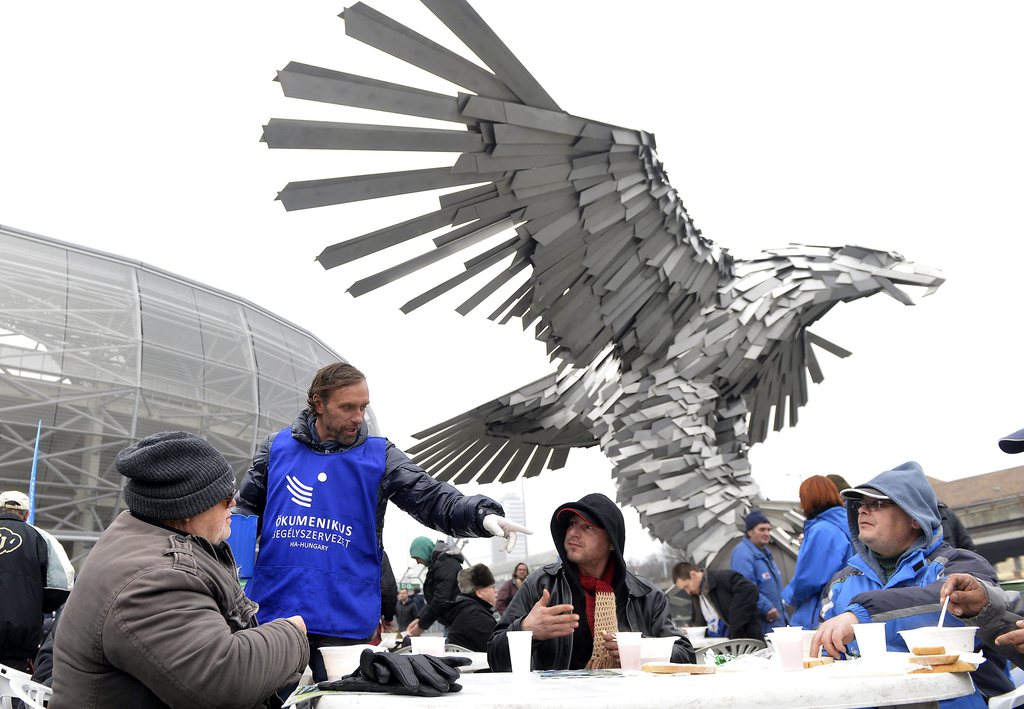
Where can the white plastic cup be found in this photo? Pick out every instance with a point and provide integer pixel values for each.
(870, 640)
(656, 649)
(806, 636)
(789, 645)
(520, 649)
(341, 660)
(428, 645)
(629, 650)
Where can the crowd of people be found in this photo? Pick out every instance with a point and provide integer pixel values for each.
(887, 549)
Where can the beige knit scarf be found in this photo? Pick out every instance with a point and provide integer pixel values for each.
(600, 615)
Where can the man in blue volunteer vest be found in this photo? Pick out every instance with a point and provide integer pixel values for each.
(754, 560)
(321, 488)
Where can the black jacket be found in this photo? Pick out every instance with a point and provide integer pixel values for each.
(388, 590)
(953, 530)
(470, 622)
(23, 560)
(441, 586)
(735, 597)
(42, 670)
(639, 604)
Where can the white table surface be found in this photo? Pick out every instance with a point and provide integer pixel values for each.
(802, 688)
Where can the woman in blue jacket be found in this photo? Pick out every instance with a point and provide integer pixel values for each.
(825, 549)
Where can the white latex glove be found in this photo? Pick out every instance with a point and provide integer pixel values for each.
(501, 527)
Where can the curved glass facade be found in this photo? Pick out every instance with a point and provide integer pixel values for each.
(104, 351)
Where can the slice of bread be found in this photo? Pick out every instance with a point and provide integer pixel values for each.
(934, 659)
(810, 662)
(958, 666)
(937, 650)
(672, 668)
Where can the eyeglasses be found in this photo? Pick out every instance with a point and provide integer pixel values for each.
(872, 505)
(230, 499)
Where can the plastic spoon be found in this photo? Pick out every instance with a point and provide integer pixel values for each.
(942, 615)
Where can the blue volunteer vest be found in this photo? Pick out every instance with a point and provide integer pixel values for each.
(318, 554)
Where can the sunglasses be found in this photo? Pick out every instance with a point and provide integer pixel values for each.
(872, 505)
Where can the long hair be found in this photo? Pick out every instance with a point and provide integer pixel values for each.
(817, 494)
(334, 376)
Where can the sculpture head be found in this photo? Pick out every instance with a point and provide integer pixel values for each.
(871, 270)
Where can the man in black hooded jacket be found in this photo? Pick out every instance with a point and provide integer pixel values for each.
(561, 602)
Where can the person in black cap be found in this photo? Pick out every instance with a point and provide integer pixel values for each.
(753, 559)
(576, 605)
(999, 614)
(157, 617)
(471, 617)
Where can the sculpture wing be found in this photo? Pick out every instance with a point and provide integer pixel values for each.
(518, 434)
(584, 230)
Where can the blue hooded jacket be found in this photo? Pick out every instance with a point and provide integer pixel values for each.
(909, 598)
(825, 550)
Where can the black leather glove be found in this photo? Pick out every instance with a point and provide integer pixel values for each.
(420, 675)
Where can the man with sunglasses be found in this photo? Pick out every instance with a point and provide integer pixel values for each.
(899, 565)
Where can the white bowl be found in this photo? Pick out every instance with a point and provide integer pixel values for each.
(955, 639)
(696, 631)
(341, 660)
(428, 645)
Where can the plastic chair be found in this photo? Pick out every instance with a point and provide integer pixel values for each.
(17, 684)
(736, 646)
(1008, 700)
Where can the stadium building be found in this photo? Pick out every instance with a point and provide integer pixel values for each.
(104, 350)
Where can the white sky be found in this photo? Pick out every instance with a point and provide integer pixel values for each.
(133, 128)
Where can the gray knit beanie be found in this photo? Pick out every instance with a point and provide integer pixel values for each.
(173, 475)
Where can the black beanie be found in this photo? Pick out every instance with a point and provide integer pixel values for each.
(174, 475)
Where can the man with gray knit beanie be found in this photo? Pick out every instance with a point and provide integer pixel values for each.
(157, 617)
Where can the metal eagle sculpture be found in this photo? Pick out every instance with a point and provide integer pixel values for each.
(671, 353)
